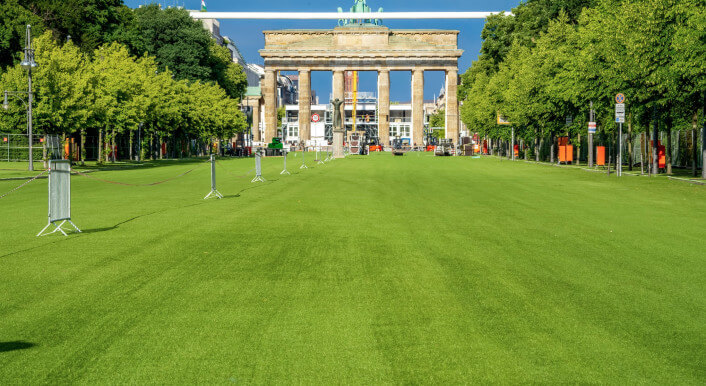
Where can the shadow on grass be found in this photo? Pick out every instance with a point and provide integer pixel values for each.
(15, 345)
(110, 228)
(113, 227)
(34, 247)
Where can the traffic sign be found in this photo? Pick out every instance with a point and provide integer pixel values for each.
(620, 108)
(620, 98)
(620, 119)
(315, 117)
(591, 127)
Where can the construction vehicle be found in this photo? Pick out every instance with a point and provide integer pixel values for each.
(444, 148)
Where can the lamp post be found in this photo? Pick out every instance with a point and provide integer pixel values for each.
(28, 64)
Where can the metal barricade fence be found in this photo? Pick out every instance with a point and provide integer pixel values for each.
(15, 147)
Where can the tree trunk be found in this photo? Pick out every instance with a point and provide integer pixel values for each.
(668, 159)
(106, 145)
(161, 146)
(655, 136)
(629, 141)
(552, 148)
(703, 143)
(151, 149)
(610, 150)
(694, 148)
(578, 150)
(536, 146)
(130, 141)
(642, 153)
(83, 146)
(100, 146)
(113, 149)
(490, 141)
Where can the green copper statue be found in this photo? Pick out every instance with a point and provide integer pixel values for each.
(359, 7)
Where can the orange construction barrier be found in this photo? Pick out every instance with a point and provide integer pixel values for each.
(516, 148)
(566, 151)
(600, 155)
(662, 156)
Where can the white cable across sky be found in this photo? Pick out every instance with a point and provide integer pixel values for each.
(341, 15)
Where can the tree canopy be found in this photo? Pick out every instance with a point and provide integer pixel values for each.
(150, 69)
(553, 57)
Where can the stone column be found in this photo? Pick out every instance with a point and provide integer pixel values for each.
(418, 107)
(304, 105)
(452, 117)
(384, 107)
(269, 91)
(256, 121)
(338, 89)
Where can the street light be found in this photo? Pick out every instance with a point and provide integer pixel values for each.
(28, 64)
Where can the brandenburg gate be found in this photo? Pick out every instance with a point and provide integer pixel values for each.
(364, 46)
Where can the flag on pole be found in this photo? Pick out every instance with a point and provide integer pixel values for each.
(203, 5)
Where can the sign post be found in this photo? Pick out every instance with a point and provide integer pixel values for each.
(620, 119)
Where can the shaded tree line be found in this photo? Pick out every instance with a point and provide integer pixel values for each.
(150, 72)
(554, 57)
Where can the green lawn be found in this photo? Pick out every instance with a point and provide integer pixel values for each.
(378, 269)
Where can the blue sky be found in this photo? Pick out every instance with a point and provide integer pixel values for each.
(247, 34)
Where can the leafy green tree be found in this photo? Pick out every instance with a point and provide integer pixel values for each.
(14, 119)
(90, 23)
(228, 75)
(61, 87)
(438, 119)
(13, 19)
(181, 45)
(118, 82)
(177, 41)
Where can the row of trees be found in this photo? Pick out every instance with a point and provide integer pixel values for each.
(554, 57)
(132, 83)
